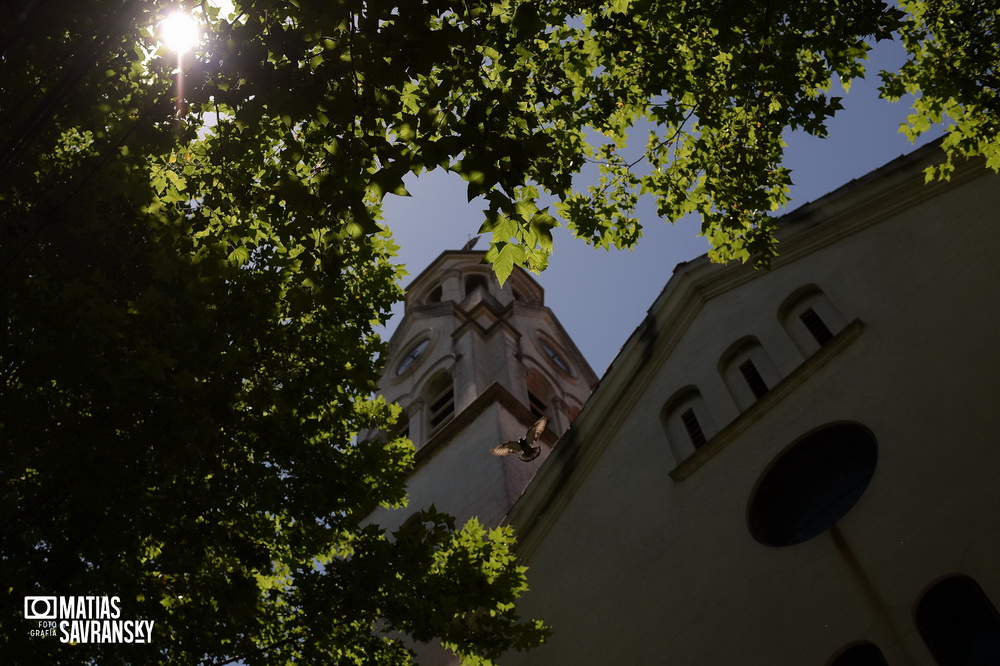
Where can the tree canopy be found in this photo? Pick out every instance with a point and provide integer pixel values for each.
(193, 269)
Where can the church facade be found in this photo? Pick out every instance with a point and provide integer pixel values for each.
(784, 467)
(795, 466)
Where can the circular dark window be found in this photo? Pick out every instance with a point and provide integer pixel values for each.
(813, 485)
(411, 356)
(554, 355)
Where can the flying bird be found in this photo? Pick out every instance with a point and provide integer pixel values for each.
(523, 447)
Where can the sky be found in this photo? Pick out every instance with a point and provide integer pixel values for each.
(601, 296)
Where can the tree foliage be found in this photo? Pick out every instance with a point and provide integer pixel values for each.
(188, 347)
(193, 269)
(954, 48)
(714, 85)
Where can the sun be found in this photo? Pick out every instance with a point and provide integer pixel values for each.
(179, 32)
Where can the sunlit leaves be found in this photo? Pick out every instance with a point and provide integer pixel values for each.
(190, 305)
(721, 82)
(954, 49)
(191, 290)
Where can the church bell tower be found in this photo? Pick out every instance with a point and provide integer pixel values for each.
(474, 365)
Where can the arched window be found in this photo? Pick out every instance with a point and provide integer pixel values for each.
(860, 654)
(747, 371)
(810, 319)
(435, 295)
(686, 423)
(539, 395)
(475, 281)
(441, 402)
(959, 623)
(554, 354)
(812, 485)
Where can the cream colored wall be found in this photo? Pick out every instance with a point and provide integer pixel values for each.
(463, 480)
(639, 568)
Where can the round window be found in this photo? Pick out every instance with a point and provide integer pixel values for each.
(554, 356)
(813, 485)
(411, 356)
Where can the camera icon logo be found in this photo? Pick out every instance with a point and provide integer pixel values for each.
(40, 608)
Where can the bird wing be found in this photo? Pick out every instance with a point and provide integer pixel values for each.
(535, 431)
(506, 449)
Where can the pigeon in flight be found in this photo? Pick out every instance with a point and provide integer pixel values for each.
(523, 447)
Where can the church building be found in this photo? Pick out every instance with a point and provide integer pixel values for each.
(797, 466)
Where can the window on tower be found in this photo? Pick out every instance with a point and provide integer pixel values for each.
(441, 402)
(553, 354)
(536, 405)
(539, 394)
(475, 281)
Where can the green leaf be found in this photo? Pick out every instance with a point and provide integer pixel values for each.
(239, 256)
(388, 180)
(508, 255)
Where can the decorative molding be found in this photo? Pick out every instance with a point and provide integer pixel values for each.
(494, 394)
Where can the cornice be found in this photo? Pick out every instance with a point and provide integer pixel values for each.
(495, 394)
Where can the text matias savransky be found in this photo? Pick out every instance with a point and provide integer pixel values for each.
(85, 620)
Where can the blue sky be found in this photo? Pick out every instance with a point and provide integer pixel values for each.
(600, 297)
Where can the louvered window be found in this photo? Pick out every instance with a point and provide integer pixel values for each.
(537, 406)
(693, 428)
(816, 326)
(754, 380)
(442, 407)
